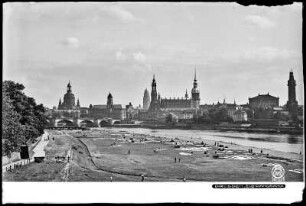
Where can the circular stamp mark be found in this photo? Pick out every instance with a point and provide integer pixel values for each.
(278, 171)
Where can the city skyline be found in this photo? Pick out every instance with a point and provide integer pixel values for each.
(117, 47)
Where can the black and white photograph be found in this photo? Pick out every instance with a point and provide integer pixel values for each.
(152, 100)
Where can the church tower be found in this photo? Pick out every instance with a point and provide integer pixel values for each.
(154, 106)
(186, 95)
(292, 104)
(78, 103)
(109, 105)
(146, 100)
(195, 93)
(69, 99)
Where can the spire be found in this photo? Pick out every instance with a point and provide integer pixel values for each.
(195, 84)
(69, 87)
(78, 103)
(186, 95)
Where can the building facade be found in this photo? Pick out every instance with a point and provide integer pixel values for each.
(110, 110)
(263, 101)
(183, 102)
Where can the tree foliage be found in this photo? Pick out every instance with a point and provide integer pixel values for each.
(213, 116)
(12, 130)
(27, 115)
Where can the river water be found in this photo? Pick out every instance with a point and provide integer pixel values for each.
(278, 142)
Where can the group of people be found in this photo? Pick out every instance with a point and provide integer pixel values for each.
(179, 159)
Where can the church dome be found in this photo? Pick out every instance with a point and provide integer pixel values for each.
(195, 90)
(69, 100)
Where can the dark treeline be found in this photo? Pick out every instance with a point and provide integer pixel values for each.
(22, 119)
(213, 116)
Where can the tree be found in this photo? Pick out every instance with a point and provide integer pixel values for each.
(31, 115)
(12, 130)
(169, 118)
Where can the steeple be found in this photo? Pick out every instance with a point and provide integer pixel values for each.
(154, 105)
(78, 103)
(195, 84)
(69, 87)
(186, 95)
(195, 93)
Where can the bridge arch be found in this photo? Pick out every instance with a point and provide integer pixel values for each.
(86, 122)
(64, 123)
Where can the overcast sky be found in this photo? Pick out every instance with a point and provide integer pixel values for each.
(117, 47)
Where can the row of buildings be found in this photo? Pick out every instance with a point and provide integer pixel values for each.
(157, 108)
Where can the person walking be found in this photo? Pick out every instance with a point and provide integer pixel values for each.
(142, 178)
(179, 160)
(174, 159)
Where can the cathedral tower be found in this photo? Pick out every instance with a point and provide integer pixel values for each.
(292, 104)
(154, 106)
(146, 100)
(109, 105)
(195, 93)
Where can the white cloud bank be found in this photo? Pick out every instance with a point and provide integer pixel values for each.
(71, 42)
(139, 57)
(259, 21)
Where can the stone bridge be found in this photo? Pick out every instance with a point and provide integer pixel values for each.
(87, 122)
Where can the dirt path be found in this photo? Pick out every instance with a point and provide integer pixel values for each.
(38, 151)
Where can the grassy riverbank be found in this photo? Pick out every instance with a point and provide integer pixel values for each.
(100, 155)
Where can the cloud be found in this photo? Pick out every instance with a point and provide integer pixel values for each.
(120, 56)
(119, 13)
(132, 57)
(259, 21)
(71, 42)
(262, 55)
(139, 57)
(268, 54)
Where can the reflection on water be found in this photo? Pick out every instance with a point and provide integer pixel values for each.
(294, 140)
(280, 142)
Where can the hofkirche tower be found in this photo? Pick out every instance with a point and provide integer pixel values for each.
(195, 93)
(154, 104)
